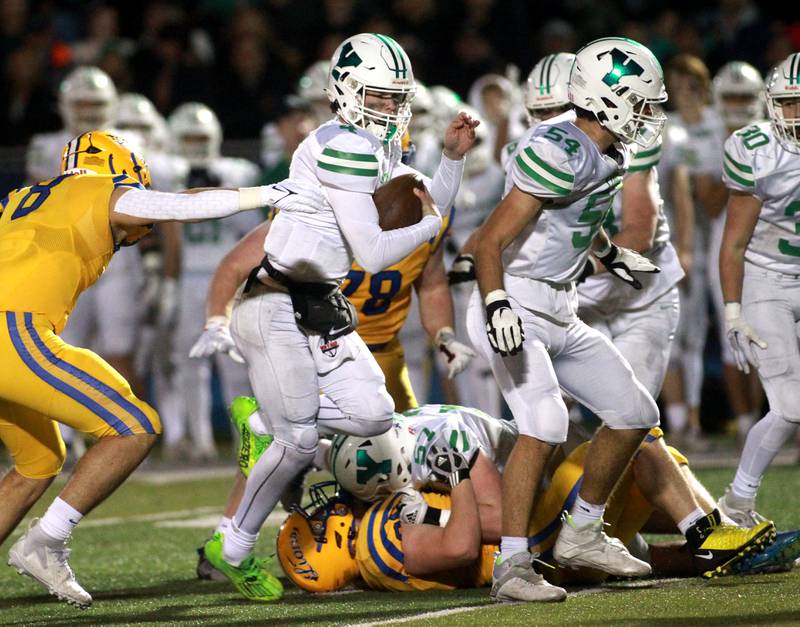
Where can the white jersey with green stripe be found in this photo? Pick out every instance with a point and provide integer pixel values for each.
(755, 162)
(561, 166)
(606, 292)
(457, 427)
(311, 246)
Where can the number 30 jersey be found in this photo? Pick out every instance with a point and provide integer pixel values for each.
(560, 165)
(755, 162)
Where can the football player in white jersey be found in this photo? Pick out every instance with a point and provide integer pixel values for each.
(760, 272)
(531, 250)
(292, 324)
(186, 401)
(738, 90)
(106, 317)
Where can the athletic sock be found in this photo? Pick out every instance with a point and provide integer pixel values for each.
(237, 545)
(585, 513)
(691, 519)
(511, 545)
(701, 529)
(764, 441)
(58, 521)
(677, 415)
(224, 525)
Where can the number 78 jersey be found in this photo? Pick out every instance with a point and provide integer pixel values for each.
(560, 165)
(755, 162)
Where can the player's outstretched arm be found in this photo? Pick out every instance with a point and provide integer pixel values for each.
(131, 207)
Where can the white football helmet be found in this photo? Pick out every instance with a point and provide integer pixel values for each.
(783, 84)
(546, 87)
(738, 90)
(374, 63)
(136, 112)
(622, 83)
(446, 105)
(423, 110)
(375, 467)
(311, 89)
(86, 100)
(196, 132)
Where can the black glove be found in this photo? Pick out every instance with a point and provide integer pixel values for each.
(449, 465)
(622, 262)
(462, 270)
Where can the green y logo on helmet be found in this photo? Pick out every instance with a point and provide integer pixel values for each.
(367, 467)
(347, 58)
(623, 65)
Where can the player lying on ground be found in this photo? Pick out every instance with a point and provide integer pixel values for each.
(56, 238)
(389, 542)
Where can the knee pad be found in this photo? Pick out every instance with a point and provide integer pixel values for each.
(546, 420)
(300, 437)
(641, 412)
(784, 398)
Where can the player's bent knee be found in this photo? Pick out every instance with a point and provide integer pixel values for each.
(641, 413)
(299, 438)
(546, 420)
(785, 401)
(366, 427)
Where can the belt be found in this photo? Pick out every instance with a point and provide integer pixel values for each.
(317, 289)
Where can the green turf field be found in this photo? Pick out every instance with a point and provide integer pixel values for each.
(136, 555)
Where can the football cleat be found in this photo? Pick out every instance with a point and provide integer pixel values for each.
(205, 571)
(251, 445)
(251, 577)
(590, 547)
(716, 548)
(740, 510)
(778, 557)
(514, 579)
(48, 565)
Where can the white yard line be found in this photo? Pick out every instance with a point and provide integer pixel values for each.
(645, 583)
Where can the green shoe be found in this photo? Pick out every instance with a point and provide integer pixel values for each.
(251, 446)
(250, 577)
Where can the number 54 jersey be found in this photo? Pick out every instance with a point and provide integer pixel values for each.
(755, 162)
(560, 165)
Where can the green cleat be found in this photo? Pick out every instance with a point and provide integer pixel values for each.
(251, 445)
(250, 577)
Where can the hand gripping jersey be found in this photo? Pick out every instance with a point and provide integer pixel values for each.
(562, 167)
(756, 163)
(206, 243)
(459, 427)
(380, 556)
(311, 247)
(55, 241)
(382, 300)
(609, 293)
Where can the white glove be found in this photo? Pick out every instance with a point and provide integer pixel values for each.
(458, 355)
(295, 196)
(216, 338)
(621, 262)
(741, 337)
(503, 326)
(416, 510)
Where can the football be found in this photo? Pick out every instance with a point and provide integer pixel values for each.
(397, 205)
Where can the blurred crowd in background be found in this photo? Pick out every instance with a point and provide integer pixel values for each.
(230, 53)
(254, 73)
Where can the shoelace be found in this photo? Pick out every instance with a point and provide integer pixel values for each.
(535, 560)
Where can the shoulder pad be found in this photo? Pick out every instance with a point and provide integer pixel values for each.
(543, 167)
(347, 160)
(737, 165)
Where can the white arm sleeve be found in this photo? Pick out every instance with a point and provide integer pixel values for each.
(163, 206)
(446, 180)
(373, 248)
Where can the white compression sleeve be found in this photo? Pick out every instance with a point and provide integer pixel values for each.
(375, 249)
(217, 203)
(446, 179)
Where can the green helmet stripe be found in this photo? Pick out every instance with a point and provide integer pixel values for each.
(397, 55)
(550, 69)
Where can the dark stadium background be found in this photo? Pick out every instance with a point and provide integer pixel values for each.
(243, 58)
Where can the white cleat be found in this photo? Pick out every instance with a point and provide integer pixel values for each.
(589, 546)
(48, 565)
(740, 510)
(515, 579)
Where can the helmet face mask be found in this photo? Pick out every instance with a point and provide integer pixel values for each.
(376, 65)
(546, 88)
(197, 133)
(622, 84)
(87, 100)
(783, 102)
(738, 94)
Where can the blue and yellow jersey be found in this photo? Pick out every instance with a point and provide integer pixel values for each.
(383, 299)
(379, 552)
(56, 241)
